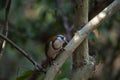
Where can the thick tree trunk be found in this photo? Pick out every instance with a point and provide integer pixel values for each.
(81, 17)
(80, 56)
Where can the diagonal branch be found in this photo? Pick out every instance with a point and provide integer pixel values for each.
(80, 36)
(37, 66)
(99, 7)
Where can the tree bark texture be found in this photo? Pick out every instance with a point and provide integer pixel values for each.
(81, 17)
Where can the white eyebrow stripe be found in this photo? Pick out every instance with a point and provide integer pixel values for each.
(59, 38)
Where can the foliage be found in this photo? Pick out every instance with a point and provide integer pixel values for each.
(25, 75)
(32, 22)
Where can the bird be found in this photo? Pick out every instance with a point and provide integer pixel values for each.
(54, 46)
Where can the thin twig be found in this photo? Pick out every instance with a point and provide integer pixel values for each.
(37, 66)
(64, 18)
(5, 29)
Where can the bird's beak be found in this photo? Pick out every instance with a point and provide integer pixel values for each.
(66, 41)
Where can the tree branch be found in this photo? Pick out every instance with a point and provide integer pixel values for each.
(5, 29)
(99, 7)
(37, 66)
(80, 36)
(64, 19)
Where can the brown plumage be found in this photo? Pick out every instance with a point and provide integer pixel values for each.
(53, 47)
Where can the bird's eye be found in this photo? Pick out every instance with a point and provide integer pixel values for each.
(62, 38)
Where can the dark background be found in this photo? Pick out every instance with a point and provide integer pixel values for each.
(32, 22)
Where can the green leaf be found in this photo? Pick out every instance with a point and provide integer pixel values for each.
(25, 75)
(65, 79)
